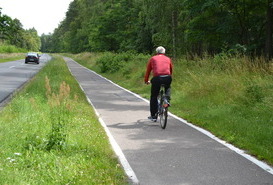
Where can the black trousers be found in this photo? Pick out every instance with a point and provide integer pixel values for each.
(156, 84)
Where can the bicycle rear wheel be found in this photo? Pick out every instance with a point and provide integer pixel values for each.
(163, 117)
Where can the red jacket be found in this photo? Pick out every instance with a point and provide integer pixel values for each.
(160, 65)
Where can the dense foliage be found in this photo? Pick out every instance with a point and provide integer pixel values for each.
(182, 26)
(12, 33)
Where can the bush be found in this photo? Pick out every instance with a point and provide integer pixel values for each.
(4, 48)
(112, 62)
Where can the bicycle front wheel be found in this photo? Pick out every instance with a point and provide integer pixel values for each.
(163, 117)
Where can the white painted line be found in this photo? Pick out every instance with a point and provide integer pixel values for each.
(259, 163)
(147, 101)
(125, 164)
(12, 67)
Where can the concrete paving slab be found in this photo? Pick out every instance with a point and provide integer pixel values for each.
(179, 155)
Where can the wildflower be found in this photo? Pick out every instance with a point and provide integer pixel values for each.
(10, 159)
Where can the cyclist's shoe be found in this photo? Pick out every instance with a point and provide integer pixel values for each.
(152, 118)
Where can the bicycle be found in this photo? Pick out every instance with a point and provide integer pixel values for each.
(162, 107)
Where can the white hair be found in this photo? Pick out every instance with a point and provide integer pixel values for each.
(160, 49)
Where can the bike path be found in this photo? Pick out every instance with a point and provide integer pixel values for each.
(176, 156)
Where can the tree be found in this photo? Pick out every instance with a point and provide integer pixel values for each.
(5, 23)
(12, 32)
(182, 26)
(269, 30)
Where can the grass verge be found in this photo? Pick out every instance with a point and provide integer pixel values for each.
(230, 96)
(6, 57)
(6, 48)
(50, 135)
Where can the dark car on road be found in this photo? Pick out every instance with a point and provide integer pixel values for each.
(32, 57)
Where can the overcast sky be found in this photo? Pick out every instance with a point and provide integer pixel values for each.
(43, 15)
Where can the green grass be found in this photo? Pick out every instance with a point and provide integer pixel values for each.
(6, 57)
(50, 135)
(233, 103)
(230, 96)
(6, 48)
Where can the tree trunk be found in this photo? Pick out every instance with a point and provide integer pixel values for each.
(269, 31)
(174, 26)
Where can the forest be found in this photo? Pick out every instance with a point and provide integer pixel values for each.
(12, 33)
(194, 27)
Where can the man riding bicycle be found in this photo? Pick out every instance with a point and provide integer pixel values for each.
(161, 66)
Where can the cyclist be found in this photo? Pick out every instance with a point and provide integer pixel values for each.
(162, 66)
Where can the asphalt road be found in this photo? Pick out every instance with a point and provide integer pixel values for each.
(179, 155)
(15, 74)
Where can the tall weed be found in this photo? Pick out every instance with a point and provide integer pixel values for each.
(50, 135)
(60, 106)
(60, 110)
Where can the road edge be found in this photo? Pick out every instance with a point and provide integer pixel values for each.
(122, 159)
